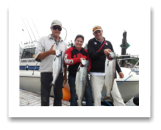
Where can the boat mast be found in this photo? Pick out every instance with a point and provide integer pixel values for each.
(27, 29)
(31, 29)
(35, 28)
(24, 34)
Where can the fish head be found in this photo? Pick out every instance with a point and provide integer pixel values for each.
(58, 53)
(84, 63)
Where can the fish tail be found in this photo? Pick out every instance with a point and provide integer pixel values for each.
(108, 98)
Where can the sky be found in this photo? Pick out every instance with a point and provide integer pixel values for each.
(80, 20)
(81, 17)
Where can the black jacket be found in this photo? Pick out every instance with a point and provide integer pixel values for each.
(98, 58)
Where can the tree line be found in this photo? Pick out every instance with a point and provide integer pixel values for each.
(131, 61)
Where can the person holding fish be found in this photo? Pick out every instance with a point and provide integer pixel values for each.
(74, 56)
(46, 52)
(101, 54)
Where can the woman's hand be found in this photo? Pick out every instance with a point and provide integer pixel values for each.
(82, 59)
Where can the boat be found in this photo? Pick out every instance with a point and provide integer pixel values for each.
(30, 75)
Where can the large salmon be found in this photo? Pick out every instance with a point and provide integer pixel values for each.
(110, 71)
(81, 80)
(57, 65)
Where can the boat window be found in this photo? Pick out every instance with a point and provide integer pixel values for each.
(33, 52)
(28, 53)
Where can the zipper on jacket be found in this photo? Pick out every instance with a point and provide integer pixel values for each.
(79, 53)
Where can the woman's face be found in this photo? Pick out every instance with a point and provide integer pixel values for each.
(78, 43)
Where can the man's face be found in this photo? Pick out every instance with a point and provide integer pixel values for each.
(98, 34)
(56, 30)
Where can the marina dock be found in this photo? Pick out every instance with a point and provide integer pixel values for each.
(33, 99)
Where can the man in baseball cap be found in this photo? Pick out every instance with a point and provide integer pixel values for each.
(97, 27)
(98, 49)
(45, 51)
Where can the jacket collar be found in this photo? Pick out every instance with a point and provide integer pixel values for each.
(77, 49)
(99, 41)
(51, 37)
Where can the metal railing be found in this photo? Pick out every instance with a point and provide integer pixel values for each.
(132, 68)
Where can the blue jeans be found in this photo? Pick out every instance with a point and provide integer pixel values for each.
(88, 92)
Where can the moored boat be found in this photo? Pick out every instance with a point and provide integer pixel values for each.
(30, 75)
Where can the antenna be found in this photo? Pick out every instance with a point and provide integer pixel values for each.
(27, 29)
(35, 27)
(31, 29)
(66, 33)
(24, 34)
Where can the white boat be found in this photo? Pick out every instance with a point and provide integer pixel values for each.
(128, 86)
(30, 75)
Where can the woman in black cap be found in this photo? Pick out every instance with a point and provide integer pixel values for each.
(73, 57)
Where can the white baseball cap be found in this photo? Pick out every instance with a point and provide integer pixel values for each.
(95, 28)
(56, 22)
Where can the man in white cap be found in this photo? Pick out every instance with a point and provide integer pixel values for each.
(98, 49)
(45, 52)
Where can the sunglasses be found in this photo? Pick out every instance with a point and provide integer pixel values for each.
(55, 28)
(98, 27)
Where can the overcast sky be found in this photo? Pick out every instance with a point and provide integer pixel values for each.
(81, 17)
(80, 20)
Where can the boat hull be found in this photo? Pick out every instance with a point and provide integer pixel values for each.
(128, 89)
(31, 82)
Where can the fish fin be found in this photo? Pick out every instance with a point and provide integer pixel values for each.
(76, 96)
(54, 58)
(111, 97)
(78, 69)
(107, 62)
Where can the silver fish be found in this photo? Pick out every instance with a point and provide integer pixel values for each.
(110, 70)
(57, 65)
(81, 80)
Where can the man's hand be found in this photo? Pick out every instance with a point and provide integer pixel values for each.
(107, 51)
(121, 75)
(52, 51)
(47, 53)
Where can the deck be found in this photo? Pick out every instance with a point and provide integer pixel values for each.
(33, 99)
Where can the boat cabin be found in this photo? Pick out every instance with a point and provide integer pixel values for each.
(27, 59)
